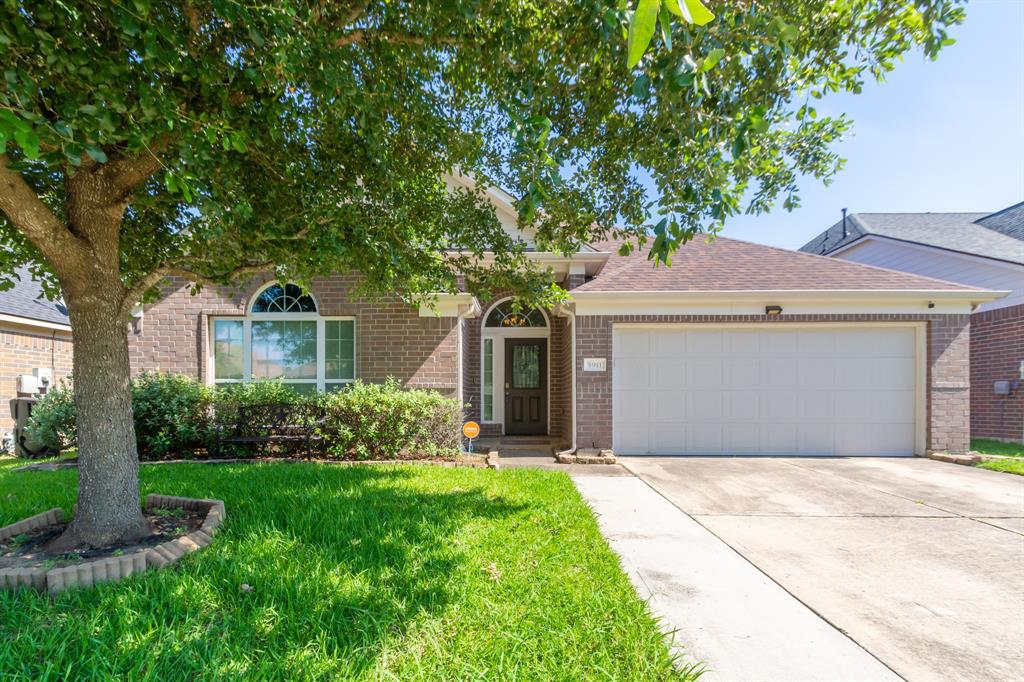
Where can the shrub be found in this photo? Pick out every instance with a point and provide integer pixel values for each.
(171, 414)
(53, 419)
(384, 421)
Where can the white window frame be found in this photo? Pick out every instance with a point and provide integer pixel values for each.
(498, 336)
(320, 381)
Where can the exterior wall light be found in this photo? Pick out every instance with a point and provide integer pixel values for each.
(773, 310)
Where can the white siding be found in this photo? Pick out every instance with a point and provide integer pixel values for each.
(945, 265)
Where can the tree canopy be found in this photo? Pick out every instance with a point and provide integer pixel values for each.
(313, 135)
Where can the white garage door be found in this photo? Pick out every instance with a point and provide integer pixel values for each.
(764, 391)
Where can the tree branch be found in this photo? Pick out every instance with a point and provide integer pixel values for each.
(34, 219)
(127, 172)
(135, 293)
(360, 36)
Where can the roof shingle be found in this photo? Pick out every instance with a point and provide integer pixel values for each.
(725, 264)
(990, 235)
(26, 299)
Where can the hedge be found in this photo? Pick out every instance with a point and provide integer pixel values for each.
(177, 417)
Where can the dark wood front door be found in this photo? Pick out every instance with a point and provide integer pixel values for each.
(526, 387)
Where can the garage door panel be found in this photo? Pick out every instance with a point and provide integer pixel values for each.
(704, 438)
(633, 373)
(632, 343)
(668, 373)
(704, 343)
(812, 343)
(778, 439)
(635, 406)
(816, 373)
(704, 373)
(669, 343)
(847, 391)
(816, 407)
(666, 406)
(778, 342)
(742, 407)
(741, 373)
(778, 406)
(704, 406)
(816, 438)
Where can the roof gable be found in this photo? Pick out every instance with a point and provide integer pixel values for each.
(725, 264)
(998, 236)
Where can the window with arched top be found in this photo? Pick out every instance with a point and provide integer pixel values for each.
(283, 299)
(284, 337)
(504, 315)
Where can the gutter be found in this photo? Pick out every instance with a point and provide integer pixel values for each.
(756, 295)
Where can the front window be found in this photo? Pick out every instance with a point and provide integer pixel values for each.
(283, 337)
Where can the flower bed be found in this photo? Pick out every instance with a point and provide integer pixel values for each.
(53, 574)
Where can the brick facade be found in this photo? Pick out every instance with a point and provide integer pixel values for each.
(392, 339)
(947, 393)
(997, 349)
(23, 348)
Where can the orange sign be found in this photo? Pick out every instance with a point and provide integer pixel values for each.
(470, 429)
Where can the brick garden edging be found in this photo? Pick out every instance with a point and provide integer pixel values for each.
(108, 569)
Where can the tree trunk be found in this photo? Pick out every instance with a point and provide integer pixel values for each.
(108, 509)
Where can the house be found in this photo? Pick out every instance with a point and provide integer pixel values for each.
(34, 333)
(737, 348)
(978, 249)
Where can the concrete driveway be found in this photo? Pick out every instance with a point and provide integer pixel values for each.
(919, 562)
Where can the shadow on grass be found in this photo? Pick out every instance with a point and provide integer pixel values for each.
(317, 570)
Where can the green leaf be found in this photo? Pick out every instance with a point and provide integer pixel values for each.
(95, 153)
(695, 12)
(170, 182)
(642, 87)
(666, 27)
(3, 142)
(238, 143)
(641, 30)
(29, 142)
(712, 59)
(673, 7)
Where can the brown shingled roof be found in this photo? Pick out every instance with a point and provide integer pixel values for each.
(725, 264)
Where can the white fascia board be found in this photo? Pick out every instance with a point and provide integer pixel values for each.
(452, 305)
(746, 302)
(29, 322)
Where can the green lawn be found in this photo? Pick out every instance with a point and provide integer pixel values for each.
(995, 447)
(397, 573)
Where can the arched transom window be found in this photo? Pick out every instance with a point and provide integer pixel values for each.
(284, 337)
(283, 299)
(505, 315)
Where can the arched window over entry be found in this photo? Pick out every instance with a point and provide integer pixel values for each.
(284, 337)
(504, 315)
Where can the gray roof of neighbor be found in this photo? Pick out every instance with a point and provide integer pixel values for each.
(1009, 221)
(997, 235)
(26, 299)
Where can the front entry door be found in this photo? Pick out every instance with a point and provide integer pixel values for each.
(526, 387)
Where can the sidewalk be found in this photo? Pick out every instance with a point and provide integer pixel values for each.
(727, 613)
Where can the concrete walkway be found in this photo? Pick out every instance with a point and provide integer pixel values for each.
(728, 614)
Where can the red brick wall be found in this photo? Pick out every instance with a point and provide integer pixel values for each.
(22, 349)
(948, 392)
(997, 349)
(391, 337)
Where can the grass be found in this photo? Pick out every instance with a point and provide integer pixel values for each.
(985, 446)
(393, 573)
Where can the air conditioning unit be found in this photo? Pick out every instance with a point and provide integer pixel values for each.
(28, 384)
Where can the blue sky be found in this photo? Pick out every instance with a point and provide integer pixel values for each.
(936, 136)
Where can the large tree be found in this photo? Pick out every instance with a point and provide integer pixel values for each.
(212, 139)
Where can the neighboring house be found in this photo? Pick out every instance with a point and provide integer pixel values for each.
(978, 249)
(34, 333)
(736, 349)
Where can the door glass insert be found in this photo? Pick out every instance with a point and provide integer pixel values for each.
(526, 366)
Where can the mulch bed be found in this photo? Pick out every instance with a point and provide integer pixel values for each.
(465, 459)
(27, 550)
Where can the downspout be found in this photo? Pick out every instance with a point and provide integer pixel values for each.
(472, 310)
